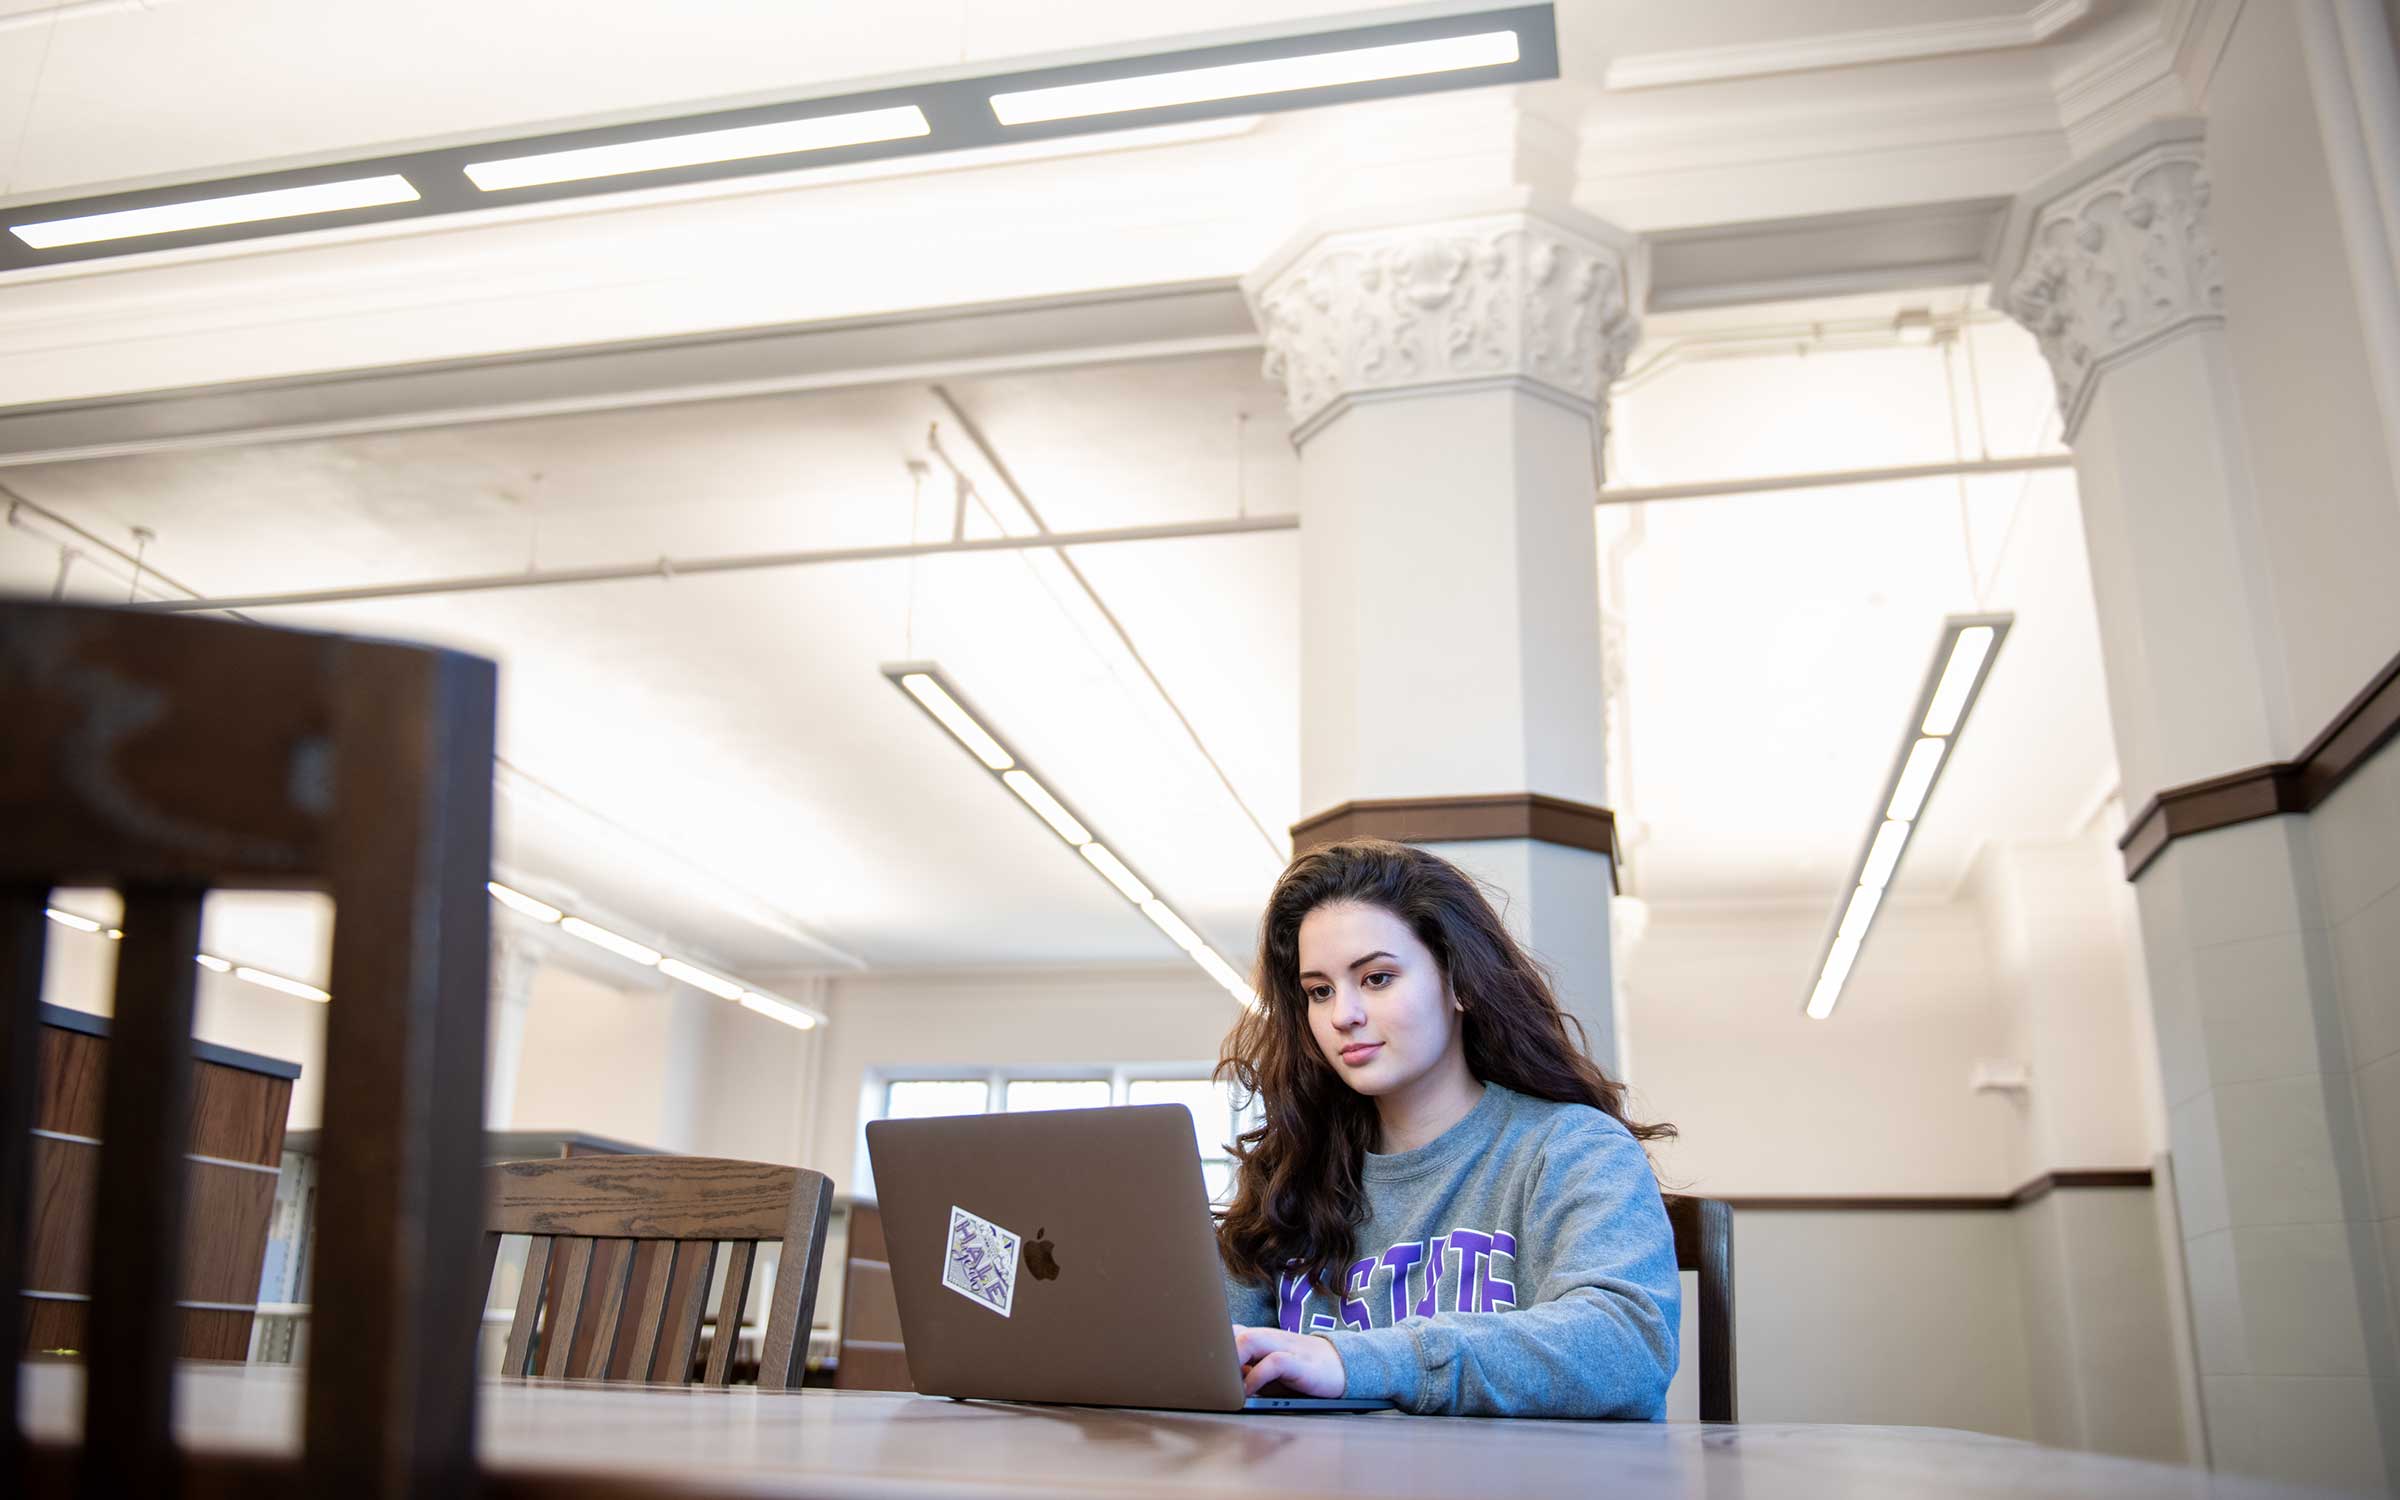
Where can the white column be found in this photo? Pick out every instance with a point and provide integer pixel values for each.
(518, 949)
(2112, 265)
(1447, 385)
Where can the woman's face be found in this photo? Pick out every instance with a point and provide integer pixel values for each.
(1378, 1005)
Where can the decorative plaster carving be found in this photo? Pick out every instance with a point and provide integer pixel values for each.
(1510, 296)
(2116, 265)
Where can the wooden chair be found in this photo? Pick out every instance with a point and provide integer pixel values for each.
(168, 755)
(1704, 1243)
(623, 1251)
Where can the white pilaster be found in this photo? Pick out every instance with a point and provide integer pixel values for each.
(519, 947)
(1447, 384)
(2113, 266)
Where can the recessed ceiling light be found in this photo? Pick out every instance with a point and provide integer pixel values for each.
(659, 153)
(948, 113)
(212, 213)
(1248, 80)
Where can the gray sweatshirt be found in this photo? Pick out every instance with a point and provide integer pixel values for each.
(1519, 1265)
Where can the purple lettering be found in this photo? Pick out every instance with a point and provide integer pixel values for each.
(1494, 1294)
(1400, 1258)
(1291, 1297)
(1473, 1246)
(1354, 1287)
(1322, 1323)
(1433, 1276)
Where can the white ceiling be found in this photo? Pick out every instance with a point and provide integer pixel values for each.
(740, 719)
(718, 758)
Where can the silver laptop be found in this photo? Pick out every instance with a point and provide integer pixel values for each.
(1063, 1256)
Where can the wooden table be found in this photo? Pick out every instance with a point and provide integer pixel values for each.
(823, 1443)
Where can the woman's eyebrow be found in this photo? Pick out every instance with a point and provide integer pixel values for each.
(1355, 964)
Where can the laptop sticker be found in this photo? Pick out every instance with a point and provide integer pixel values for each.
(982, 1261)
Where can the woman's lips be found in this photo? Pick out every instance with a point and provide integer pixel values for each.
(1359, 1052)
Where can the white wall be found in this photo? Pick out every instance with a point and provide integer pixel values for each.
(1872, 1101)
(1170, 1014)
(2057, 940)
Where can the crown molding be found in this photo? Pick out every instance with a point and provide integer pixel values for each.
(2151, 71)
(1847, 49)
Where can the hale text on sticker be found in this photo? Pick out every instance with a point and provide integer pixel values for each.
(981, 1261)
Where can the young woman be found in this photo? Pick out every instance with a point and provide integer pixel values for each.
(1446, 1206)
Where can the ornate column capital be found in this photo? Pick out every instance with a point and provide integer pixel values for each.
(2111, 256)
(1540, 298)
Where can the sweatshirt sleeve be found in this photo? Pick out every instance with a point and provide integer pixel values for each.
(1597, 1335)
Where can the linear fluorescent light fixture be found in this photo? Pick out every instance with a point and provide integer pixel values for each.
(600, 937)
(699, 147)
(724, 987)
(1416, 50)
(925, 685)
(1961, 662)
(1256, 80)
(775, 1009)
(522, 904)
(225, 211)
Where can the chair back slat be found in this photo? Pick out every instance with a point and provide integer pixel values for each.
(22, 931)
(1704, 1244)
(687, 1304)
(612, 1266)
(784, 1356)
(558, 1340)
(519, 1358)
(730, 1300)
(131, 1326)
(650, 1307)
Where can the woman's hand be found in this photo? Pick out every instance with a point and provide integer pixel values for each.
(1306, 1364)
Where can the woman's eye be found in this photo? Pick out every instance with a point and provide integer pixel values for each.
(1377, 981)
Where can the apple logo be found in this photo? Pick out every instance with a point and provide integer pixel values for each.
(1038, 1258)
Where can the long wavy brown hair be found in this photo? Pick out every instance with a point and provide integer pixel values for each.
(1298, 1199)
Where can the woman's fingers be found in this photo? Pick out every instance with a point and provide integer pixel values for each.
(1267, 1369)
(1250, 1343)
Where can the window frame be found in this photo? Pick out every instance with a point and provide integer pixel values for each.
(875, 1100)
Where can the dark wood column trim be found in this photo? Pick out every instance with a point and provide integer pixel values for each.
(1450, 820)
(2032, 1192)
(2364, 726)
